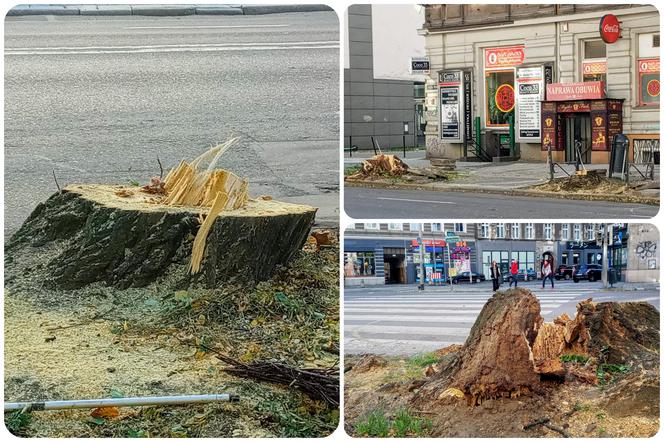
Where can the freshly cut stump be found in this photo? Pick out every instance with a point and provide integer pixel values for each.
(126, 238)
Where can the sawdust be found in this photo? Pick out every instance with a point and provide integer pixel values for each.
(130, 341)
(591, 183)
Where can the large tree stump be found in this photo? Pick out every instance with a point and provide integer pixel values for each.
(496, 359)
(124, 237)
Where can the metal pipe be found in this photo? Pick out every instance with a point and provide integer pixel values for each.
(122, 402)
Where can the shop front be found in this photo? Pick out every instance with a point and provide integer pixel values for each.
(555, 80)
(579, 122)
(376, 262)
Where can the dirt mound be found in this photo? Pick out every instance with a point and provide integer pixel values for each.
(369, 362)
(381, 165)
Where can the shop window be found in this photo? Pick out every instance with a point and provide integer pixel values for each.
(575, 259)
(648, 71)
(500, 97)
(564, 258)
(593, 67)
(358, 264)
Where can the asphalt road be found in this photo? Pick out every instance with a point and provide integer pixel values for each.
(399, 320)
(98, 99)
(363, 203)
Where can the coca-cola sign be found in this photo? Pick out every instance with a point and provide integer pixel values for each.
(609, 28)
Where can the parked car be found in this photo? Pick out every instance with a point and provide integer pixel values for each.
(465, 277)
(564, 272)
(521, 276)
(591, 272)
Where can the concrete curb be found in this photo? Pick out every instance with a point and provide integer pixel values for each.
(511, 192)
(161, 10)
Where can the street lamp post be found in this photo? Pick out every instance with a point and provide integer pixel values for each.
(605, 252)
(420, 240)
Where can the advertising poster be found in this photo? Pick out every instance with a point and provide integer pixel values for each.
(529, 93)
(450, 105)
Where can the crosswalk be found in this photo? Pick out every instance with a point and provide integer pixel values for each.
(408, 323)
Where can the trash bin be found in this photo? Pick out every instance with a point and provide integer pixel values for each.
(612, 276)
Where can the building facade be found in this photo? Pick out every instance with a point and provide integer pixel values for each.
(642, 253)
(381, 99)
(388, 253)
(543, 76)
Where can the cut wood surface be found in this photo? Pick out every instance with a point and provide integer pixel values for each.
(381, 165)
(131, 240)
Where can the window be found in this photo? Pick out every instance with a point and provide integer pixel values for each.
(500, 230)
(564, 232)
(577, 232)
(500, 97)
(526, 260)
(548, 231)
(564, 258)
(359, 264)
(530, 231)
(590, 232)
(648, 70)
(484, 230)
(418, 90)
(593, 67)
(395, 226)
(371, 226)
(436, 227)
(415, 227)
(516, 231)
(460, 227)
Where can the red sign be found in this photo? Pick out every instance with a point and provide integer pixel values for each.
(653, 88)
(505, 98)
(429, 243)
(504, 57)
(590, 90)
(649, 66)
(609, 28)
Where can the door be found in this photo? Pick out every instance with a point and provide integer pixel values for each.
(395, 266)
(577, 138)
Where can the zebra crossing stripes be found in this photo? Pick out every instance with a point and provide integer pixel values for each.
(403, 323)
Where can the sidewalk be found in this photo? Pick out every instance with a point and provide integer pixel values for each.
(160, 10)
(514, 178)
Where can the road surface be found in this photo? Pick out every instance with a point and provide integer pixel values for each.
(397, 320)
(363, 203)
(98, 99)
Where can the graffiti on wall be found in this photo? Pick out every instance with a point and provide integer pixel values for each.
(646, 250)
(645, 150)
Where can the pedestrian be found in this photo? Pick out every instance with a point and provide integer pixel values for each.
(514, 272)
(495, 275)
(547, 272)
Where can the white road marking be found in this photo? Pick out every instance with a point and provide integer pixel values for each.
(167, 50)
(414, 201)
(191, 45)
(208, 27)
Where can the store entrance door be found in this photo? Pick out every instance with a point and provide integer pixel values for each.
(578, 140)
(395, 266)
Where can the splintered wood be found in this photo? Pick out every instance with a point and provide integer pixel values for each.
(217, 189)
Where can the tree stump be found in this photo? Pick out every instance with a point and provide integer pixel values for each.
(126, 238)
(496, 359)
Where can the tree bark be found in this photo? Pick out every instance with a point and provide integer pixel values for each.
(131, 240)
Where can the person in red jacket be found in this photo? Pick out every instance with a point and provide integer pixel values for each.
(514, 271)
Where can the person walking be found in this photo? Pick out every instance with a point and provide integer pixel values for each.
(495, 275)
(547, 272)
(514, 272)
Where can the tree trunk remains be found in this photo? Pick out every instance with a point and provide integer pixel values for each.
(124, 237)
(510, 351)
